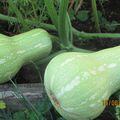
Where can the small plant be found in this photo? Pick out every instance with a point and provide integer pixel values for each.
(27, 9)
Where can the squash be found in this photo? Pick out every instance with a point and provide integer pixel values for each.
(78, 83)
(20, 49)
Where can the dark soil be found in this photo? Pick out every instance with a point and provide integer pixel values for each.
(111, 11)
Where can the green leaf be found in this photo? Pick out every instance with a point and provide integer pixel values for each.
(111, 26)
(31, 116)
(19, 116)
(72, 14)
(83, 15)
(44, 106)
(2, 104)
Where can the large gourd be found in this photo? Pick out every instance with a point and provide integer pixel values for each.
(78, 83)
(20, 49)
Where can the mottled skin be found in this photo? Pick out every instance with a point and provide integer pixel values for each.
(21, 49)
(77, 83)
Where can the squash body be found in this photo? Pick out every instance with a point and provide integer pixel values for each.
(78, 83)
(21, 49)
(9, 61)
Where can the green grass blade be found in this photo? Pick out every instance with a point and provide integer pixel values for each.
(26, 102)
(52, 12)
(95, 15)
(16, 12)
(70, 29)
(63, 23)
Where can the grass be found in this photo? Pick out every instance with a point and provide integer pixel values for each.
(24, 9)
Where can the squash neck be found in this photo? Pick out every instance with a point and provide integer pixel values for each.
(111, 60)
(32, 45)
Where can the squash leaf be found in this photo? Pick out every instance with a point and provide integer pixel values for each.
(83, 15)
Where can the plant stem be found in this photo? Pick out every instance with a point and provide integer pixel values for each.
(28, 22)
(95, 15)
(79, 6)
(70, 29)
(52, 27)
(95, 35)
(52, 12)
(63, 24)
(75, 49)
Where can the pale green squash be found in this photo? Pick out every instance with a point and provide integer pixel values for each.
(78, 83)
(21, 49)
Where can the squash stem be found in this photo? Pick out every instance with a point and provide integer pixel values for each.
(75, 49)
(64, 24)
